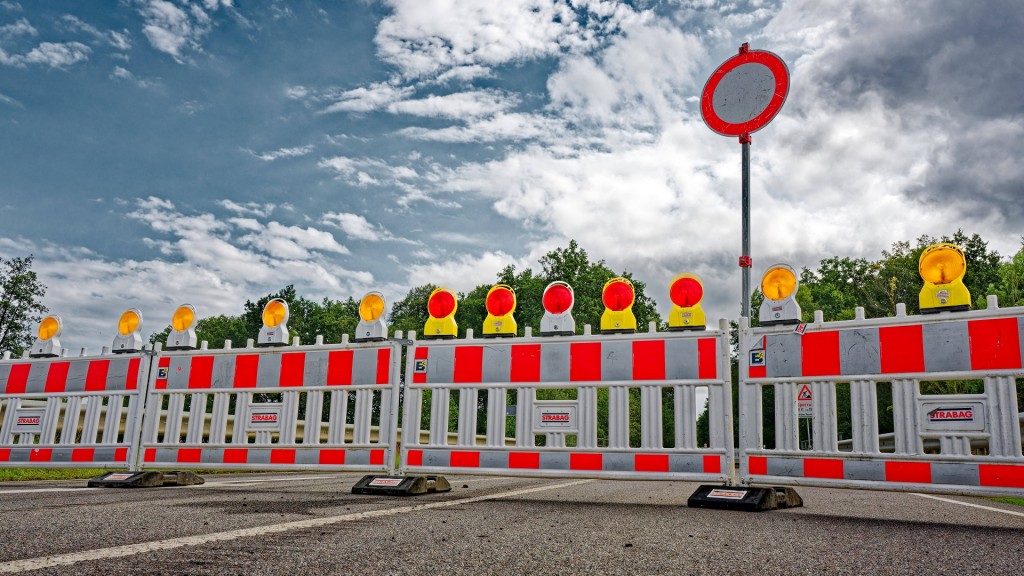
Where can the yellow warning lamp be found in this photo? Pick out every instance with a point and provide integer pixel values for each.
(558, 300)
(128, 338)
(617, 296)
(275, 324)
(779, 285)
(441, 305)
(183, 329)
(47, 345)
(500, 304)
(371, 325)
(686, 291)
(942, 267)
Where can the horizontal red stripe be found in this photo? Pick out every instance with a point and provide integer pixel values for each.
(420, 377)
(131, 379)
(758, 372)
(190, 455)
(57, 377)
(333, 457)
(468, 365)
(712, 464)
(649, 360)
(96, 377)
(585, 461)
(17, 378)
(150, 455)
(465, 460)
(1004, 475)
(528, 460)
(758, 465)
(901, 349)
(414, 457)
(40, 455)
(82, 454)
(293, 368)
(585, 362)
(5, 454)
(200, 372)
(916, 472)
(819, 353)
(246, 368)
(995, 344)
(235, 455)
(376, 457)
(121, 455)
(651, 462)
(525, 363)
(823, 468)
(339, 368)
(282, 456)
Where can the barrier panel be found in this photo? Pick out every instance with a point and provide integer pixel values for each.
(977, 435)
(560, 406)
(323, 407)
(71, 412)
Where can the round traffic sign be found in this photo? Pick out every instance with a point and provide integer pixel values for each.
(745, 92)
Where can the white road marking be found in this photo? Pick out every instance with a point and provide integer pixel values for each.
(990, 508)
(37, 490)
(251, 481)
(15, 566)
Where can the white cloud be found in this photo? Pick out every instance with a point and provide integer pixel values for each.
(283, 153)
(176, 30)
(10, 101)
(21, 27)
(120, 40)
(356, 226)
(461, 105)
(57, 55)
(120, 73)
(249, 208)
(461, 272)
(369, 98)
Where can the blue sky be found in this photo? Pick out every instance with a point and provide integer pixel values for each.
(157, 152)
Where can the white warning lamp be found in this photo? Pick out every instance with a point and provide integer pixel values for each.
(558, 300)
(275, 324)
(371, 325)
(183, 329)
(779, 286)
(128, 338)
(47, 345)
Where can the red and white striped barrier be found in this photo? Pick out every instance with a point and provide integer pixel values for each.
(565, 390)
(297, 407)
(71, 412)
(978, 435)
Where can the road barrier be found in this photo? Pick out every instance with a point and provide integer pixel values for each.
(554, 394)
(287, 407)
(807, 368)
(93, 403)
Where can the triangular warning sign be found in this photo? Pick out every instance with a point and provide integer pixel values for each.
(805, 393)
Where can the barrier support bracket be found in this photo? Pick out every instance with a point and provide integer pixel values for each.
(747, 499)
(146, 479)
(401, 485)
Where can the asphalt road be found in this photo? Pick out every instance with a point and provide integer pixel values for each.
(301, 524)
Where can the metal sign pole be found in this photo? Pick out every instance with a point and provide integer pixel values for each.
(745, 260)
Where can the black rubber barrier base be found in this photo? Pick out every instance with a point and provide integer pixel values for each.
(401, 485)
(146, 479)
(744, 498)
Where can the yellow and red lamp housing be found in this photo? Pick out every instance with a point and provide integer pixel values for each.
(686, 291)
(618, 297)
(128, 338)
(558, 300)
(942, 267)
(47, 344)
(500, 304)
(779, 286)
(275, 324)
(183, 329)
(371, 327)
(441, 305)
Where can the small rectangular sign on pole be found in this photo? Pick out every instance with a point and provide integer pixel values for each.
(805, 402)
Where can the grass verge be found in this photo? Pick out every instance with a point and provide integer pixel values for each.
(1017, 501)
(22, 474)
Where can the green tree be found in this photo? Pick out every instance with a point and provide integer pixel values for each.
(21, 306)
(1010, 288)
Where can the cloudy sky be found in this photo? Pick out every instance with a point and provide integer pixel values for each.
(210, 151)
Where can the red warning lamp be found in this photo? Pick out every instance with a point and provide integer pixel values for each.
(441, 305)
(558, 300)
(618, 297)
(500, 303)
(686, 292)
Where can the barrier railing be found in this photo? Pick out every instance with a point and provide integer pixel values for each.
(267, 408)
(554, 395)
(71, 412)
(806, 371)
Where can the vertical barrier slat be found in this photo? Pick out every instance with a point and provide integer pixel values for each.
(196, 419)
(289, 416)
(524, 417)
(219, 418)
(496, 417)
(112, 421)
(337, 418)
(50, 420)
(587, 437)
(90, 428)
(467, 416)
(439, 417)
(685, 404)
(864, 416)
(824, 426)
(1003, 419)
(904, 408)
(787, 431)
(650, 417)
(314, 415)
(618, 417)
(364, 411)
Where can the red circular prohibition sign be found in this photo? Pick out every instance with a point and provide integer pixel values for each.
(763, 57)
